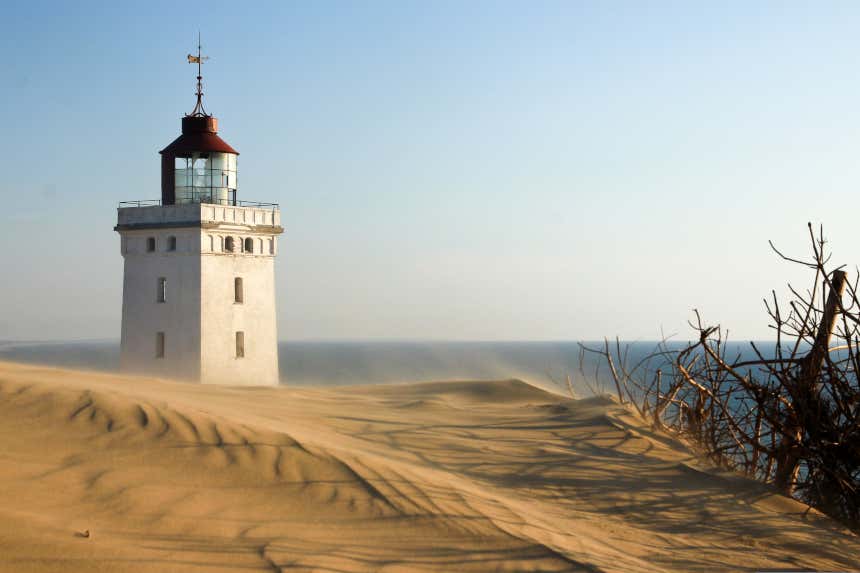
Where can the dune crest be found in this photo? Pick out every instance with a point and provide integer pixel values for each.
(449, 476)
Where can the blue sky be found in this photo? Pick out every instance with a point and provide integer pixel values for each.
(446, 170)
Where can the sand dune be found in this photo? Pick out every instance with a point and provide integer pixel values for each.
(458, 476)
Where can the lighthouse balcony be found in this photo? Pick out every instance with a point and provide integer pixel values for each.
(208, 200)
(143, 214)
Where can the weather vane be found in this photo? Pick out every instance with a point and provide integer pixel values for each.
(198, 59)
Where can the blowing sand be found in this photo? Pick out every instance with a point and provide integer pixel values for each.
(457, 476)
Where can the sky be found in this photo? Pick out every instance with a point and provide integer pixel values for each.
(481, 170)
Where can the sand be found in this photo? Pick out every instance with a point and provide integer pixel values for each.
(449, 476)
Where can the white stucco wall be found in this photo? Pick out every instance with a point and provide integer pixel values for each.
(255, 316)
(178, 317)
(200, 317)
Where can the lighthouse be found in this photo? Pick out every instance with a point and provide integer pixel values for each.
(198, 297)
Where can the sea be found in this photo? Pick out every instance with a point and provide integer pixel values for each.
(333, 363)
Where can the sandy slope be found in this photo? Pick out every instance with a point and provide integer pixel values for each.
(471, 476)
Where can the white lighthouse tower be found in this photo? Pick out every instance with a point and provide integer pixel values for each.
(198, 291)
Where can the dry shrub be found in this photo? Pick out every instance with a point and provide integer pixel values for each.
(788, 415)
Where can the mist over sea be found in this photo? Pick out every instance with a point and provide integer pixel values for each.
(349, 363)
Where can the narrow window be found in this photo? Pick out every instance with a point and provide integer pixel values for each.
(238, 291)
(159, 345)
(171, 243)
(228, 244)
(249, 245)
(161, 294)
(271, 246)
(211, 243)
(150, 244)
(240, 344)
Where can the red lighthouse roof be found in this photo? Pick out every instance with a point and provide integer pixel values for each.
(199, 134)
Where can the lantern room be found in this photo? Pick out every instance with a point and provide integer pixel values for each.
(199, 166)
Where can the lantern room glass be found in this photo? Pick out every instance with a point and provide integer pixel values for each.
(206, 177)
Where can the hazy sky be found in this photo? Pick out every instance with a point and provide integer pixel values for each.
(463, 170)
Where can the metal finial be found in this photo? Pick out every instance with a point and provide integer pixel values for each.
(198, 59)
